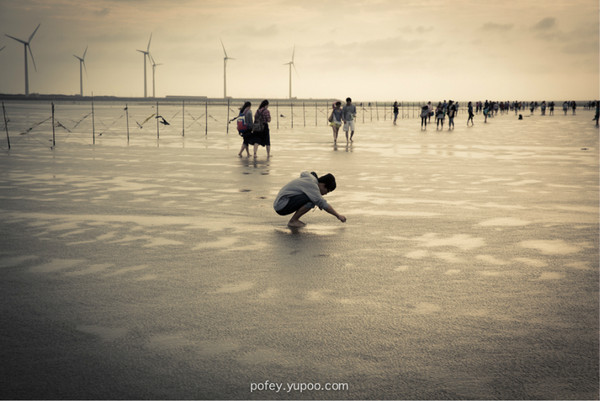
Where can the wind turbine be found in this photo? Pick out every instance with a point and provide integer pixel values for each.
(225, 70)
(146, 53)
(154, 65)
(81, 63)
(291, 64)
(25, 47)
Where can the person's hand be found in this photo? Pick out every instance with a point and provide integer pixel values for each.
(342, 218)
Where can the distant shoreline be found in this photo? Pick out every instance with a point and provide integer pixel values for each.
(171, 98)
(231, 100)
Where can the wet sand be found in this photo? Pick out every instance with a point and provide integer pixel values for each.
(467, 269)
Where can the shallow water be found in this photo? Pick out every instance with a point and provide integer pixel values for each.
(468, 267)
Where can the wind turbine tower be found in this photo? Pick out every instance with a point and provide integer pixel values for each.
(225, 70)
(81, 64)
(26, 45)
(146, 53)
(291, 64)
(154, 65)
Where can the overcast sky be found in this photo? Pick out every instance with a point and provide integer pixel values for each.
(369, 50)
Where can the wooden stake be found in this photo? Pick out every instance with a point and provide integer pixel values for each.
(53, 133)
(6, 125)
(127, 119)
(93, 123)
(157, 123)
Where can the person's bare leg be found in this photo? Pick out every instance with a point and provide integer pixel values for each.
(295, 220)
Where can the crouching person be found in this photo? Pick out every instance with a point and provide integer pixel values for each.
(302, 194)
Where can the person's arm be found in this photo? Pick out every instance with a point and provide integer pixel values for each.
(329, 209)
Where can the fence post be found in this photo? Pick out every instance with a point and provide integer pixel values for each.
(304, 114)
(206, 118)
(157, 123)
(127, 119)
(228, 116)
(93, 123)
(6, 125)
(183, 117)
(53, 133)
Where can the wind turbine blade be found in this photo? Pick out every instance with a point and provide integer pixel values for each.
(17, 39)
(84, 53)
(151, 59)
(32, 59)
(149, 40)
(2, 48)
(142, 51)
(224, 51)
(31, 37)
(84, 67)
(295, 70)
(293, 53)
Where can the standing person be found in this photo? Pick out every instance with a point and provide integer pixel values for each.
(471, 115)
(261, 134)
(565, 107)
(430, 112)
(304, 193)
(451, 114)
(573, 106)
(395, 112)
(439, 116)
(486, 111)
(597, 115)
(551, 107)
(424, 117)
(335, 119)
(348, 115)
(244, 126)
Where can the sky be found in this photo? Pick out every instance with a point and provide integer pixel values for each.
(369, 50)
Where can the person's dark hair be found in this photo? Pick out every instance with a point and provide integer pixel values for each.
(338, 103)
(329, 181)
(246, 104)
(263, 104)
(348, 99)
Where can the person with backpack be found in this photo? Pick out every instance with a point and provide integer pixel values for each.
(424, 116)
(335, 119)
(260, 130)
(244, 126)
(304, 193)
(439, 116)
(451, 114)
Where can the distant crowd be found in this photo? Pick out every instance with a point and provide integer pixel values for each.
(492, 108)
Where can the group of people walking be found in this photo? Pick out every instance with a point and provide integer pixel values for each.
(442, 110)
(254, 131)
(343, 115)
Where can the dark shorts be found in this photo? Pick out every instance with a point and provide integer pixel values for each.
(294, 203)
